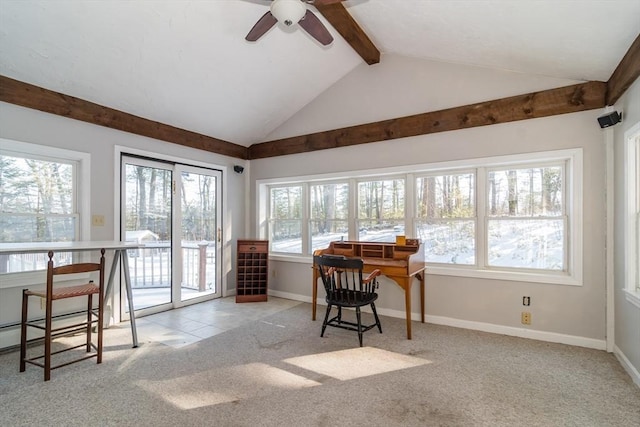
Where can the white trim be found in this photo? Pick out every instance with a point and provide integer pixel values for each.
(84, 174)
(627, 365)
(476, 326)
(631, 194)
(519, 332)
(632, 297)
(227, 232)
(82, 188)
(610, 234)
(574, 186)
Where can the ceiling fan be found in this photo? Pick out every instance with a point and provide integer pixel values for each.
(291, 12)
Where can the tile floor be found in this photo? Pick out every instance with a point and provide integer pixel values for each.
(187, 325)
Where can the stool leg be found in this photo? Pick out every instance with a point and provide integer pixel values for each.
(23, 330)
(100, 325)
(47, 339)
(89, 319)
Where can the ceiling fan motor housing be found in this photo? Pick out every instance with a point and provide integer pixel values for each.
(288, 12)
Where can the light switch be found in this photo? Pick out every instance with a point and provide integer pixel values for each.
(97, 220)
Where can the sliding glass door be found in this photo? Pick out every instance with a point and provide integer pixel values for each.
(173, 212)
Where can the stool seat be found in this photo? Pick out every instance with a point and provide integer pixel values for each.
(68, 291)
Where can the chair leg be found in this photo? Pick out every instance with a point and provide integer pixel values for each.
(375, 314)
(358, 316)
(326, 319)
(23, 330)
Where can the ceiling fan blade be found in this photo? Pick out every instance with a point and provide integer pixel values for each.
(323, 2)
(263, 25)
(312, 25)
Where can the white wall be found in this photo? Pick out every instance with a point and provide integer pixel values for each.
(400, 86)
(26, 125)
(627, 316)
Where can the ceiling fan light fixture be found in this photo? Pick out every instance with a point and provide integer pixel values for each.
(288, 12)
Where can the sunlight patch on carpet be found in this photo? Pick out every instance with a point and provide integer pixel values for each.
(356, 363)
(213, 387)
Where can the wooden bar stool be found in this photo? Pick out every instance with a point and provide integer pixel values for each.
(53, 293)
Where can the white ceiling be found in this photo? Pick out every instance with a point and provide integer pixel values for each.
(186, 63)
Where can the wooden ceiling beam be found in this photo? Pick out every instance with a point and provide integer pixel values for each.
(569, 99)
(37, 98)
(627, 71)
(343, 22)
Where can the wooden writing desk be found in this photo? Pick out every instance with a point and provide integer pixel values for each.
(400, 263)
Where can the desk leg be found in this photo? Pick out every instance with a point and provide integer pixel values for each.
(108, 290)
(421, 277)
(407, 305)
(127, 281)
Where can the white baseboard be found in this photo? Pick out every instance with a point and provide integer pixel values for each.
(520, 332)
(477, 326)
(626, 364)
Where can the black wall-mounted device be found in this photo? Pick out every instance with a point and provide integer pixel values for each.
(609, 119)
(238, 168)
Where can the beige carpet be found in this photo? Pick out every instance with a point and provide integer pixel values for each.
(277, 371)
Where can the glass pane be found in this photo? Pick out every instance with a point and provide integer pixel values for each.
(37, 228)
(536, 244)
(378, 200)
(329, 201)
(199, 230)
(446, 196)
(36, 186)
(380, 231)
(286, 203)
(448, 242)
(286, 236)
(526, 192)
(324, 232)
(148, 194)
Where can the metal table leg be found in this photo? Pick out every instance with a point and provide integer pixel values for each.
(127, 281)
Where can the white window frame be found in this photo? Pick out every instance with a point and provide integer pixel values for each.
(632, 215)
(573, 159)
(82, 194)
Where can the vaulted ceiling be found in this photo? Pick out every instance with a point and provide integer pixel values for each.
(186, 63)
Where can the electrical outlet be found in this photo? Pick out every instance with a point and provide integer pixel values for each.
(526, 318)
(97, 220)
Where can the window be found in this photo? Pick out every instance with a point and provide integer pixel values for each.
(285, 219)
(329, 213)
(525, 218)
(513, 217)
(38, 200)
(632, 243)
(381, 214)
(446, 217)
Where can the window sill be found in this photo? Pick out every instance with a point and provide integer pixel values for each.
(513, 276)
(633, 297)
